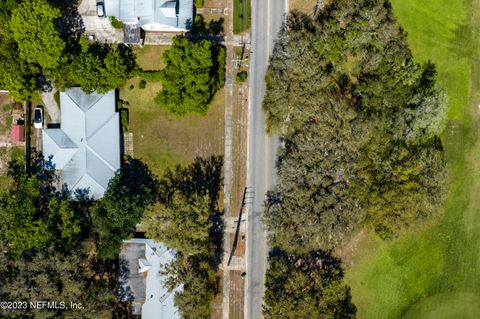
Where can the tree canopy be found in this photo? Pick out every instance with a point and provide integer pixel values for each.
(34, 30)
(361, 123)
(47, 250)
(306, 286)
(41, 42)
(36, 217)
(17, 76)
(129, 193)
(99, 67)
(194, 72)
(187, 219)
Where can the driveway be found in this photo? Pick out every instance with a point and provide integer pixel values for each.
(51, 105)
(99, 27)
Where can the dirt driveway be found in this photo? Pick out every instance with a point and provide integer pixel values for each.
(99, 27)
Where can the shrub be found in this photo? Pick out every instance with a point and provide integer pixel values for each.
(142, 84)
(241, 76)
(117, 24)
(124, 119)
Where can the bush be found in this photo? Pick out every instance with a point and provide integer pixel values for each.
(241, 76)
(199, 3)
(117, 24)
(124, 119)
(142, 84)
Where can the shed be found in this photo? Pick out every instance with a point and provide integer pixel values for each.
(17, 133)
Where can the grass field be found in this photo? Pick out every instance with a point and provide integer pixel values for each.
(241, 16)
(435, 273)
(160, 139)
(305, 6)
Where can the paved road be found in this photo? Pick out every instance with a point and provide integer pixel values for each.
(267, 19)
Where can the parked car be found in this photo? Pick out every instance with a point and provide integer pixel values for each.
(101, 9)
(38, 117)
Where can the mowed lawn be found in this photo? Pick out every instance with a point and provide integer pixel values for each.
(241, 16)
(161, 139)
(435, 273)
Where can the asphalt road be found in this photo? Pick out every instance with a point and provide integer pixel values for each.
(267, 19)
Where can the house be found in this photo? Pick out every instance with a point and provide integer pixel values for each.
(86, 148)
(141, 281)
(153, 15)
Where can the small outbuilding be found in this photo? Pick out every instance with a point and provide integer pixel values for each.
(17, 133)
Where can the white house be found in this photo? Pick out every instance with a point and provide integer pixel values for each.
(141, 261)
(153, 15)
(86, 147)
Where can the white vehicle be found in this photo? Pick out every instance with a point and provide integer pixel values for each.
(38, 117)
(101, 9)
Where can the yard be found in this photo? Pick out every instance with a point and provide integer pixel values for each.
(159, 138)
(434, 273)
(8, 151)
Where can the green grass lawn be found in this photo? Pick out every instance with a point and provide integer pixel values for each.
(160, 139)
(435, 273)
(241, 16)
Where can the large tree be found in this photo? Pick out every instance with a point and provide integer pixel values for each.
(36, 217)
(16, 76)
(187, 218)
(183, 224)
(194, 72)
(129, 193)
(306, 286)
(361, 123)
(34, 30)
(98, 67)
(54, 276)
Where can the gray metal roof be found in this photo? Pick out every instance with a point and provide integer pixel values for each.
(141, 281)
(155, 15)
(86, 147)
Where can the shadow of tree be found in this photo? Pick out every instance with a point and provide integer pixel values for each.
(202, 177)
(70, 24)
(298, 21)
(214, 27)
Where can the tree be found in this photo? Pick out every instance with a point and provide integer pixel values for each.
(22, 227)
(36, 216)
(129, 193)
(361, 123)
(187, 219)
(194, 73)
(198, 279)
(98, 67)
(17, 76)
(306, 286)
(183, 224)
(34, 30)
(53, 276)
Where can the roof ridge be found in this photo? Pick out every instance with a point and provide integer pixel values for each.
(99, 157)
(99, 126)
